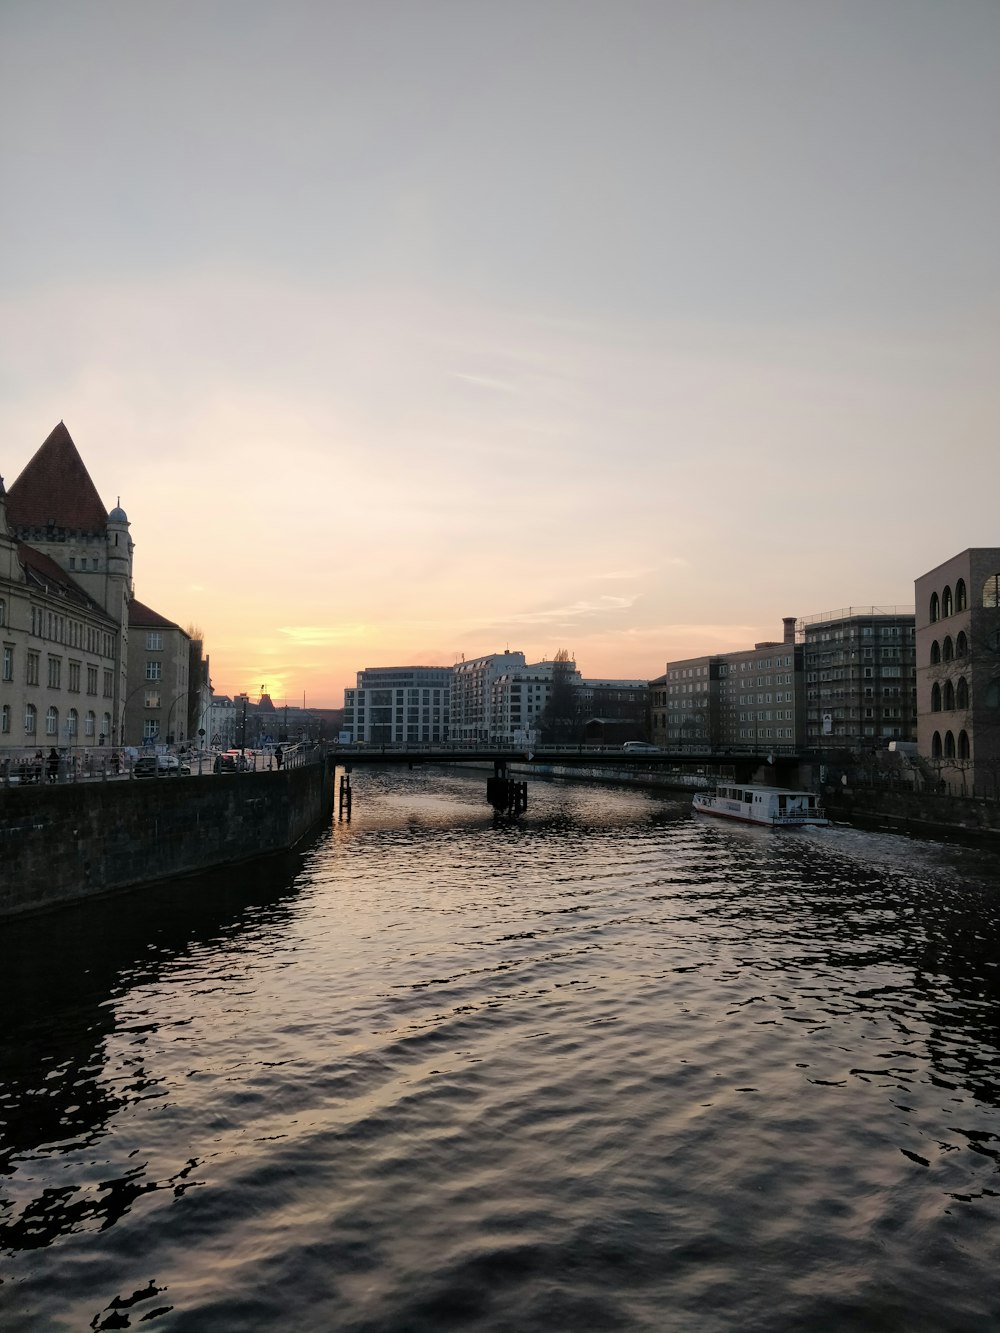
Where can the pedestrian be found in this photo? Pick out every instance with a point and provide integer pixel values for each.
(279, 758)
(53, 764)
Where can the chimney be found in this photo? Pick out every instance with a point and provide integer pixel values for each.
(789, 624)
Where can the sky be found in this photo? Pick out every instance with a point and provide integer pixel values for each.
(415, 329)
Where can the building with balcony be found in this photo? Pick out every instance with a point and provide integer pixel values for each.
(860, 678)
(958, 670)
(522, 699)
(472, 697)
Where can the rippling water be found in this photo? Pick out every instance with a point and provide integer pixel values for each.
(614, 1068)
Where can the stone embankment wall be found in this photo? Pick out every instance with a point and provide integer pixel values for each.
(918, 813)
(62, 843)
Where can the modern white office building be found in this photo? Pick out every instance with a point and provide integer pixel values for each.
(520, 696)
(399, 705)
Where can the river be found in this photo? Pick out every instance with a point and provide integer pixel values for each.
(614, 1067)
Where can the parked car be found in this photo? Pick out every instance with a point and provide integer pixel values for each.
(160, 765)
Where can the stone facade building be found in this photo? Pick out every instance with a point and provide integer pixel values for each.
(156, 708)
(65, 585)
(958, 670)
(750, 698)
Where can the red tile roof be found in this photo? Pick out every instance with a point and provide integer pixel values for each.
(40, 571)
(55, 487)
(141, 614)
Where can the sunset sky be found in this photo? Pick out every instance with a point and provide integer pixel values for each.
(408, 329)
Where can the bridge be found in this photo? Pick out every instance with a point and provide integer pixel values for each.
(509, 796)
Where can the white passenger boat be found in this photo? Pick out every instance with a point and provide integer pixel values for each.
(775, 806)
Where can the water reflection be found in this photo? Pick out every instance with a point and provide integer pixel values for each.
(62, 974)
(576, 1072)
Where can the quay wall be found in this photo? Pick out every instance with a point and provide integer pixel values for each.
(62, 843)
(921, 814)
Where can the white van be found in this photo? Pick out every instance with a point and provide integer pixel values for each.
(640, 747)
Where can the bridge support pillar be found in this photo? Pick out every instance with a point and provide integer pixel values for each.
(506, 795)
(345, 796)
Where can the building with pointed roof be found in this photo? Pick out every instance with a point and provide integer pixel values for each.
(60, 653)
(66, 571)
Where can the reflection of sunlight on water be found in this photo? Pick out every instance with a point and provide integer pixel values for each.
(573, 1072)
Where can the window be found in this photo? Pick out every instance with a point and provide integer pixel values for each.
(936, 698)
(961, 644)
(72, 722)
(30, 719)
(936, 745)
(5, 719)
(946, 602)
(91, 680)
(963, 745)
(961, 599)
(154, 641)
(108, 683)
(948, 649)
(152, 698)
(935, 608)
(8, 661)
(949, 745)
(31, 669)
(89, 723)
(150, 729)
(55, 672)
(106, 725)
(74, 677)
(52, 721)
(3, 612)
(949, 697)
(935, 652)
(991, 591)
(154, 671)
(962, 693)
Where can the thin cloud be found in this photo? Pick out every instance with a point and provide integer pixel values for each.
(316, 636)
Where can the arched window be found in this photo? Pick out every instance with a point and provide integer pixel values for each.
(963, 745)
(948, 701)
(961, 599)
(948, 648)
(52, 721)
(946, 607)
(5, 719)
(72, 722)
(936, 698)
(935, 608)
(89, 723)
(106, 726)
(962, 693)
(961, 644)
(949, 745)
(991, 591)
(30, 719)
(936, 745)
(935, 652)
